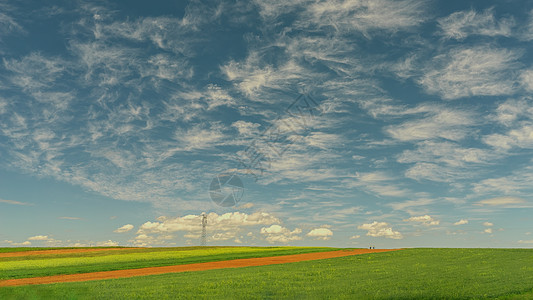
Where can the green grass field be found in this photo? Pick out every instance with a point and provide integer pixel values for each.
(406, 274)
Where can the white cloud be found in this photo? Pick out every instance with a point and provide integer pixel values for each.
(354, 237)
(466, 72)
(69, 218)
(438, 122)
(199, 138)
(425, 220)
(163, 32)
(108, 243)
(511, 186)
(444, 161)
(449, 153)
(223, 236)
(525, 241)
(378, 183)
(124, 228)
(8, 25)
(488, 230)
(461, 222)
(209, 98)
(511, 111)
(488, 224)
(320, 233)
(363, 16)
(298, 164)
(521, 136)
(220, 227)
(501, 201)
(246, 129)
(526, 78)
(433, 172)
(13, 202)
(246, 205)
(412, 206)
(35, 71)
(274, 8)
(380, 229)
(280, 234)
(274, 229)
(527, 34)
(461, 24)
(256, 79)
(25, 243)
(39, 238)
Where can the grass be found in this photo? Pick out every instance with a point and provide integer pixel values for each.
(71, 263)
(406, 274)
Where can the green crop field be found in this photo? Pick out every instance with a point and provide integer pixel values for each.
(405, 274)
(84, 262)
(25, 249)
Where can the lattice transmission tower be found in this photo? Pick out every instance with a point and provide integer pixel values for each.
(204, 229)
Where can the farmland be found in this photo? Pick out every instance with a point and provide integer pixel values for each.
(407, 274)
(56, 264)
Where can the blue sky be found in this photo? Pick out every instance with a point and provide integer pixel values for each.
(115, 117)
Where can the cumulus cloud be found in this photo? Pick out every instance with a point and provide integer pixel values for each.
(380, 229)
(426, 220)
(488, 230)
(25, 243)
(320, 233)
(220, 227)
(488, 224)
(39, 238)
(124, 228)
(461, 222)
(108, 243)
(280, 234)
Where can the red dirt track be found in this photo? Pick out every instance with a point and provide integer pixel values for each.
(236, 263)
(58, 251)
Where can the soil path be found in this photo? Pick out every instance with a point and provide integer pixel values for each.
(236, 263)
(58, 251)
